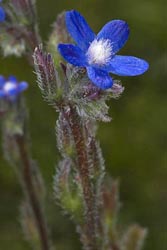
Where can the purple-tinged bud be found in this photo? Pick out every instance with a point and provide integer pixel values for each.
(91, 92)
(117, 89)
(47, 75)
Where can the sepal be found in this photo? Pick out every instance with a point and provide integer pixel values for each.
(65, 141)
(90, 100)
(68, 190)
(134, 238)
(116, 90)
(58, 35)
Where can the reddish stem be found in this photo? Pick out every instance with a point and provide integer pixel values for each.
(76, 126)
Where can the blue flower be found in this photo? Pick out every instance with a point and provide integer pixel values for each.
(98, 52)
(2, 13)
(10, 88)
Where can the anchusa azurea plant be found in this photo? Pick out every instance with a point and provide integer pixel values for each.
(78, 91)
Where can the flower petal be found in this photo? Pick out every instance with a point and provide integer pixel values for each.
(72, 54)
(99, 77)
(12, 79)
(12, 92)
(2, 14)
(117, 31)
(22, 86)
(2, 81)
(128, 66)
(2, 94)
(79, 29)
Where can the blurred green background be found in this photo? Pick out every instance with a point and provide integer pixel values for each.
(134, 143)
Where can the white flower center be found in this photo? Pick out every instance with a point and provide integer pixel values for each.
(9, 86)
(99, 52)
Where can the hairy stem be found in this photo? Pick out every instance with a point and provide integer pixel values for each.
(32, 195)
(76, 126)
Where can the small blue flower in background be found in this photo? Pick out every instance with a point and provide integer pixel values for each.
(2, 13)
(98, 53)
(10, 88)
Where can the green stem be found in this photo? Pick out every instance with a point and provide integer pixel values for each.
(33, 198)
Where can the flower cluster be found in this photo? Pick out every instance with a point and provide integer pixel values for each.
(10, 88)
(98, 53)
(2, 13)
